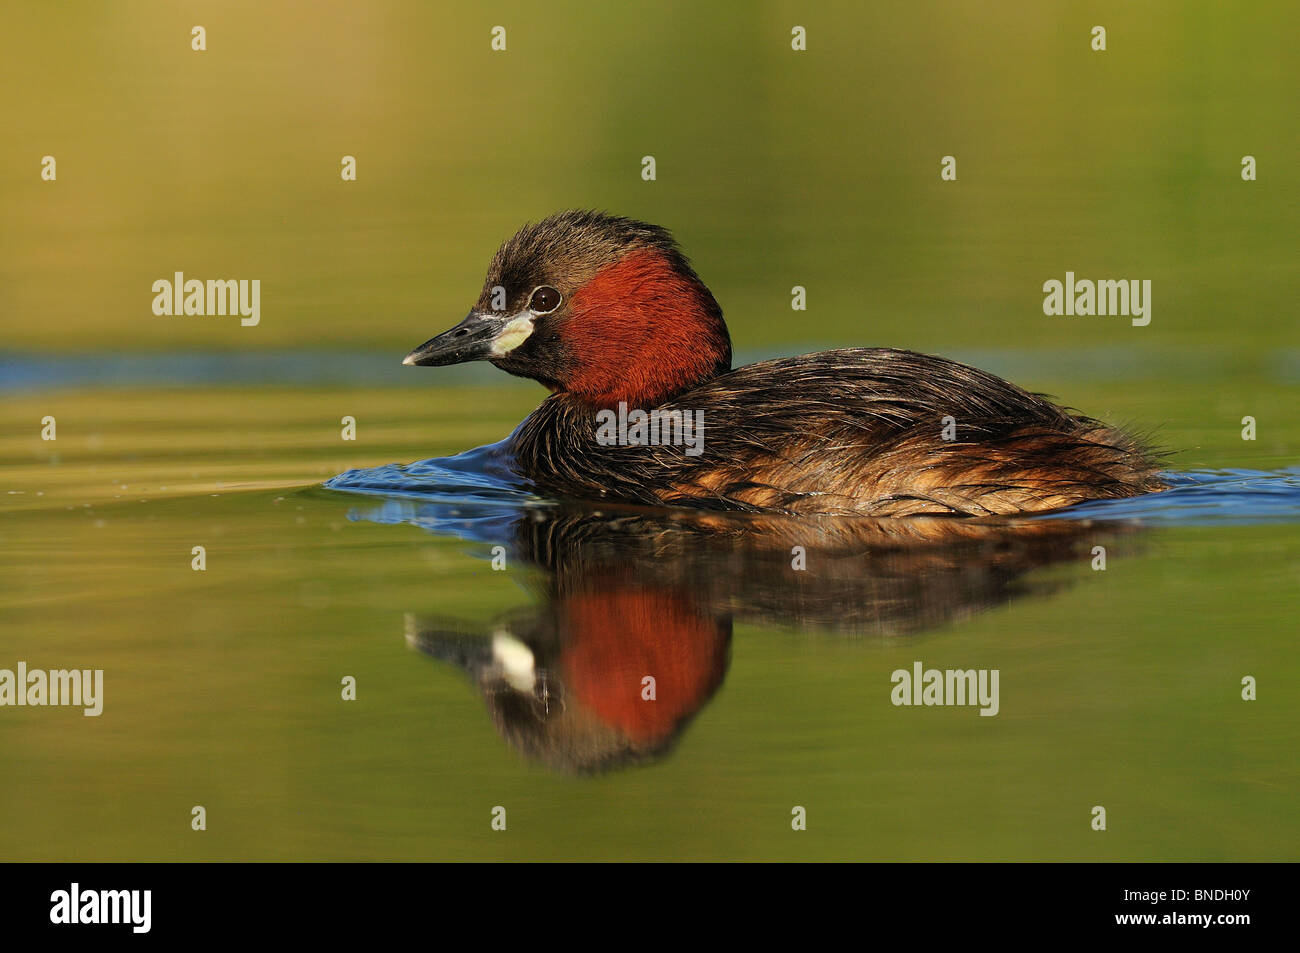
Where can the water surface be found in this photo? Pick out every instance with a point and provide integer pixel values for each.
(1119, 687)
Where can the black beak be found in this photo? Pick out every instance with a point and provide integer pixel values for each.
(471, 340)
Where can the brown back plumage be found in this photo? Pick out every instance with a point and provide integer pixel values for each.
(857, 431)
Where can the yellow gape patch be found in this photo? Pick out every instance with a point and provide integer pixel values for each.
(512, 335)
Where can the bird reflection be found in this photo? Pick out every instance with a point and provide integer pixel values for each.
(630, 636)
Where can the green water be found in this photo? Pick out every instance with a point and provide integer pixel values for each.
(222, 687)
(1119, 688)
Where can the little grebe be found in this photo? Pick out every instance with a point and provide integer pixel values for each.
(608, 314)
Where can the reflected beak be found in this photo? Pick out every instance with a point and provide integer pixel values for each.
(502, 656)
(471, 340)
(449, 641)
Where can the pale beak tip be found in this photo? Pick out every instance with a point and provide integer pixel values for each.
(409, 359)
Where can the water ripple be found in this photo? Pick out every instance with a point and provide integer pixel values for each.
(478, 485)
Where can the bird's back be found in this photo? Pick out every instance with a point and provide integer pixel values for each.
(866, 431)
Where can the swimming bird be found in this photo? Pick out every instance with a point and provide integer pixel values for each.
(609, 315)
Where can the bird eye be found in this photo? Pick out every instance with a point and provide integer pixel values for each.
(544, 300)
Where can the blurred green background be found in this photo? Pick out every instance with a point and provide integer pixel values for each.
(775, 168)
